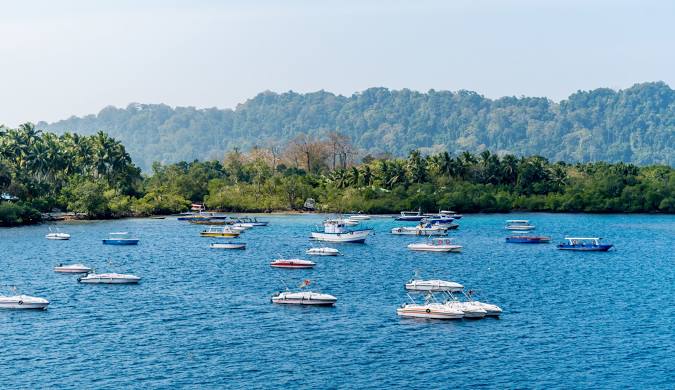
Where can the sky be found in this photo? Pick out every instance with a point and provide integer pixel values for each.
(73, 57)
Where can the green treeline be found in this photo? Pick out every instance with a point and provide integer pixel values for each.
(94, 175)
(634, 125)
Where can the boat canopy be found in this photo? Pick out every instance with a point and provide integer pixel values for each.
(583, 238)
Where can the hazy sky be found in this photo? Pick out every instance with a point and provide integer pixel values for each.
(75, 57)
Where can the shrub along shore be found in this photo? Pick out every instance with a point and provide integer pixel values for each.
(94, 175)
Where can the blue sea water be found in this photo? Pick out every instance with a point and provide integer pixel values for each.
(202, 318)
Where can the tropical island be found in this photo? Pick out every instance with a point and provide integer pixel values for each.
(95, 176)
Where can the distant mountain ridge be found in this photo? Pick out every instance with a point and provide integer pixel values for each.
(635, 125)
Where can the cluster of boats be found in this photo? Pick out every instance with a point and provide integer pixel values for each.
(523, 227)
(449, 306)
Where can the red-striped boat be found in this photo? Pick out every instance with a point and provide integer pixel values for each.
(292, 263)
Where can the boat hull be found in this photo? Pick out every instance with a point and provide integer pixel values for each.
(355, 237)
(419, 232)
(109, 281)
(585, 248)
(64, 270)
(434, 248)
(57, 238)
(528, 240)
(415, 218)
(24, 305)
(428, 313)
(226, 235)
(227, 246)
(312, 302)
(110, 241)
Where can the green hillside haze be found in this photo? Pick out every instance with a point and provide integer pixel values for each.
(634, 125)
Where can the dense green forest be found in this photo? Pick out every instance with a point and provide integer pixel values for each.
(94, 175)
(635, 125)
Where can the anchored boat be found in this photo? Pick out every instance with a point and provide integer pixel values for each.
(219, 232)
(435, 285)
(228, 245)
(292, 263)
(120, 238)
(526, 239)
(325, 251)
(72, 269)
(518, 224)
(336, 231)
(57, 235)
(111, 278)
(584, 244)
(304, 298)
(436, 245)
(23, 302)
(421, 230)
(411, 216)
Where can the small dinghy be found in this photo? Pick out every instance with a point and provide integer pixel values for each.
(23, 302)
(72, 269)
(111, 278)
(322, 251)
(433, 285)
(57, 235)
(443, 245)
(228, 245)
(292, 263)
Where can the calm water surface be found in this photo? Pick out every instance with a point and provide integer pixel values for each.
(202, 318)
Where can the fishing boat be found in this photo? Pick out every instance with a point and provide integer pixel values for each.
(412, 216)
(292, 263)
(584, 244)
(111, 278)
(57, 235)
(219, 232)
(334, 230)
(120, 238)
(325, 251)
(436, 245)
(421, 230)
(527, 239)
(304, 298)
(72, 269)
(228, 245)
(434, 285)
(518, 224)
(23, 302)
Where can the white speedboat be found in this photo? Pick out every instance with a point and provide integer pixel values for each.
(240, 227)
(437, 311)
(304, 298)
(433, 285)
(325, 251)
(57, 235)
(490, 309)
(334, 230)
(359, 217)
(72, 269)
(413, 216)
(228, 245)
(438, 245)
(469, 310)
(22, 302)
(518, 224)
(111, 278)
(292, 263)
(421, 230)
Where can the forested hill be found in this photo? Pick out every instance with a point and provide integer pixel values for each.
(633, 125)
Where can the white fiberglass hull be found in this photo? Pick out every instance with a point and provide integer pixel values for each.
(58, 236)
(419, 232)
(435, 248)
(436, 313)
(520, 228)
(109, 279)
(358, 236)
(23, 302)
(323, 252)
(304, 298)
(72, 269)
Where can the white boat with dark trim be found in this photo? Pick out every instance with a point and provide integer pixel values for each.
(304, 298)
(434, 285)
(111, 278)
(413, 216)
(469, 310)
(228, 245)
(359, 217)
(421, 230)
(451, 214)
(435, 245)
(292, 263)
(324, 251)
(334, 230)
(518, 224)
(23, 302)
(436, 311)
(57, 235)
(72, 269)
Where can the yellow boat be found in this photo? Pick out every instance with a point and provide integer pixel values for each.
(219, 232)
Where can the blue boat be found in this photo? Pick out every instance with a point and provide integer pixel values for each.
(120, 238)
(584, 244)
(523, 239)
(411, 216)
